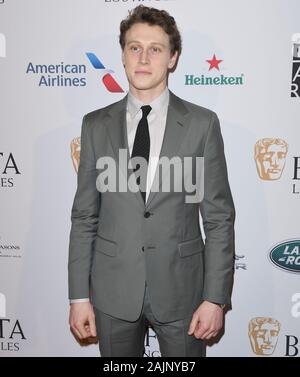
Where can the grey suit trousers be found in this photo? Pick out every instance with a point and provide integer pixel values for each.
(121, 338)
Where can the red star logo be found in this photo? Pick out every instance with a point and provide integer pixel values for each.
(214, 63)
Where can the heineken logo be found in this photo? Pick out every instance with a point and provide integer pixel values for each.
(218, 80)
(214, 78)
(286, 255)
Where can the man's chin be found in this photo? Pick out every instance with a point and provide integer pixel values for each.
(142, 87)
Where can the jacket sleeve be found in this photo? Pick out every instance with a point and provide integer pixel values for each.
(218, 214)
(84, 217)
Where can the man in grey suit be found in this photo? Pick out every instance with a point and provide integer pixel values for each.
(137, 258)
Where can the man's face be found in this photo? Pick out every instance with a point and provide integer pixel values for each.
(265, 338)
(271, 161)
(147, 57)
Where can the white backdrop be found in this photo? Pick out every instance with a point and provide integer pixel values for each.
(254, 40)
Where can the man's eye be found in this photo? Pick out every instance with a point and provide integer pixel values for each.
(134, 48)
(155, 50)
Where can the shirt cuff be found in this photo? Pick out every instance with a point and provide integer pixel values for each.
(77, 300)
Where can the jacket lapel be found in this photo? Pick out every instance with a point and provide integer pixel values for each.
(176, 128)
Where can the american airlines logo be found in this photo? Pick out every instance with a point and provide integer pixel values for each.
(2, 45)
(66, 74)
(109, 82)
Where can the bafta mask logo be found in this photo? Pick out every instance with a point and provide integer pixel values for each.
(2, 305)
(270, 155)
(75, 152)
(263, 335)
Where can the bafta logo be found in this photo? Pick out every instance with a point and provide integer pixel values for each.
(75, 152)
(263, 335)
(270, 155)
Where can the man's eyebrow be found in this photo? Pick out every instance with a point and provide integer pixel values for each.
(153, 43)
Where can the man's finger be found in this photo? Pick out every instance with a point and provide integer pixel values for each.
(209, 335)
(76, 332)
(81, 329)
(93, 327)
(193, 325)
(202, 331)
(206, 329)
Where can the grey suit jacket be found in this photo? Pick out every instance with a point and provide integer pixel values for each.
(115, 246)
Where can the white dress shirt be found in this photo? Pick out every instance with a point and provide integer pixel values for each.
(157, 124)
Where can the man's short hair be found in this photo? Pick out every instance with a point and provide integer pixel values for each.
(153, 17)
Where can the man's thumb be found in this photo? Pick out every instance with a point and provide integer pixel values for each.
(93, 327)
(192, 326)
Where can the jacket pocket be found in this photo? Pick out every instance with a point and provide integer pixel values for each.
(105, 246)
(191, 247)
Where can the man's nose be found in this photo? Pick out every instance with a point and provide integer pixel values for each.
(144, 58)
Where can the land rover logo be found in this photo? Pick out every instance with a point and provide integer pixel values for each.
(286, 255)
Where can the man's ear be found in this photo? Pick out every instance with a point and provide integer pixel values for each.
(173, 59)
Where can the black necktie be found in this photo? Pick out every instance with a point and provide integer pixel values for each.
(141, 146)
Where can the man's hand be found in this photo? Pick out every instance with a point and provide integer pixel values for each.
(82, 320)
(207, 321)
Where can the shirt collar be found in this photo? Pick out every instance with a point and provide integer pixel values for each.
(158, 104)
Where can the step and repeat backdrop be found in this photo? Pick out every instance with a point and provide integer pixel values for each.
(60, 59)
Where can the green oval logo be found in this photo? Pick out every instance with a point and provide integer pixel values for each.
(286, 255)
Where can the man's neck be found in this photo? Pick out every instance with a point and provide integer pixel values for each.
(147, 96)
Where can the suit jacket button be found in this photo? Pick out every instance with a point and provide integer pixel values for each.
(147, 214)
(143, 249)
